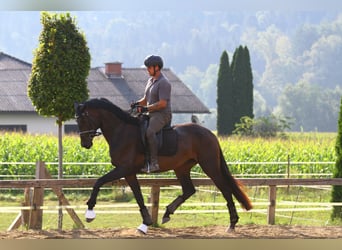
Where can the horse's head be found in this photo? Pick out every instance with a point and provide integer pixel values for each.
(87, 124)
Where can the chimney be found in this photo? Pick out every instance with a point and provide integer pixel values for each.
(113, 69)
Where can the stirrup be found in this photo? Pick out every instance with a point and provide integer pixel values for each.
(150, 168)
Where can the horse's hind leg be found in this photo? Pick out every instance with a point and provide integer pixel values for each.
(234, 218)
(188, 190)
(223, 185)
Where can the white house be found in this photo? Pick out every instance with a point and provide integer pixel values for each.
(119, 85)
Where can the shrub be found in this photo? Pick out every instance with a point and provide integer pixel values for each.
(270, 126)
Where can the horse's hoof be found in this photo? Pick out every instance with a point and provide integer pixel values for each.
(165, 219)
(142, 229)
(89, 220)
(90, 215)
(230, 230)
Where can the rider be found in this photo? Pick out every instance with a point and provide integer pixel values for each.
(157, 102)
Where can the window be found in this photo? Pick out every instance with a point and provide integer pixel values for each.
(14, 128)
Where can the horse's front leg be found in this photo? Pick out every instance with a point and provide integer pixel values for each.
(115, 174)
(135, 187)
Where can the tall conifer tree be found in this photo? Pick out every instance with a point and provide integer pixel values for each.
(247, 84)
(237, 90)
(242, 84)
(225, 123)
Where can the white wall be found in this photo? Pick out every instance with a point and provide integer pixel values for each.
(36, 124)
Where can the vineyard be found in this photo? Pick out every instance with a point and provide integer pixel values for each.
(297, 148)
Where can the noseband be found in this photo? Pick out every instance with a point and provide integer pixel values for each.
(92, 132)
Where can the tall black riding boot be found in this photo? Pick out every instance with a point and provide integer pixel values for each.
(153, 165)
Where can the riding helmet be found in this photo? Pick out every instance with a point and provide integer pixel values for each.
(153, 61)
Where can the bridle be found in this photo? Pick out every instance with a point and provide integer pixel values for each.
(92, 132)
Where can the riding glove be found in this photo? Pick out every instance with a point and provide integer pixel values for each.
(142, 109)
(134, 104)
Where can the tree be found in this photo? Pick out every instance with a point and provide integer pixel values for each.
(247, 84)
(312, 107)
(337, 190)
(225, 107)
(242, 84)
(60, 67)
(208, 86)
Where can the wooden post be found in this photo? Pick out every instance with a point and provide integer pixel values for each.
(288, 166)
(36, 214)
(34, 197)
(155, 191)
(271, 207)
(63, 201)
(288, 171)
(23, 216)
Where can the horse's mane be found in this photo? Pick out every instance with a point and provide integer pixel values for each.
(103, 103)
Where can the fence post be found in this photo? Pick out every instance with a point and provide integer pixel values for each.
(155, 192)
(288, 171)
(62, 200)
(36, 213)
(271, 207)
(25, 214)
(288, 166)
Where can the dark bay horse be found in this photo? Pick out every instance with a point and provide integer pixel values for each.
(196, 144)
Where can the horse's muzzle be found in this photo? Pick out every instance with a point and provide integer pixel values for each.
(87, 144)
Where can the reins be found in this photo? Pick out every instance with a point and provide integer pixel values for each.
(93, 132)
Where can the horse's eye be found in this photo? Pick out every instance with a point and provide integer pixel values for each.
(78, 116)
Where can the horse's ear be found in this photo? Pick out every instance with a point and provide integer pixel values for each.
(77, 105)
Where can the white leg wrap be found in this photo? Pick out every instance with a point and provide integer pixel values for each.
(90, 214)
(143, 228)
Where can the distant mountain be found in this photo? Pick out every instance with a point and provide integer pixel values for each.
(183, 38)
(285, 47)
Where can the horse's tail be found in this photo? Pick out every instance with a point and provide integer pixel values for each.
(237, 187)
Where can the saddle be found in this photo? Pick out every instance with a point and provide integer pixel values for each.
(167, 137)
